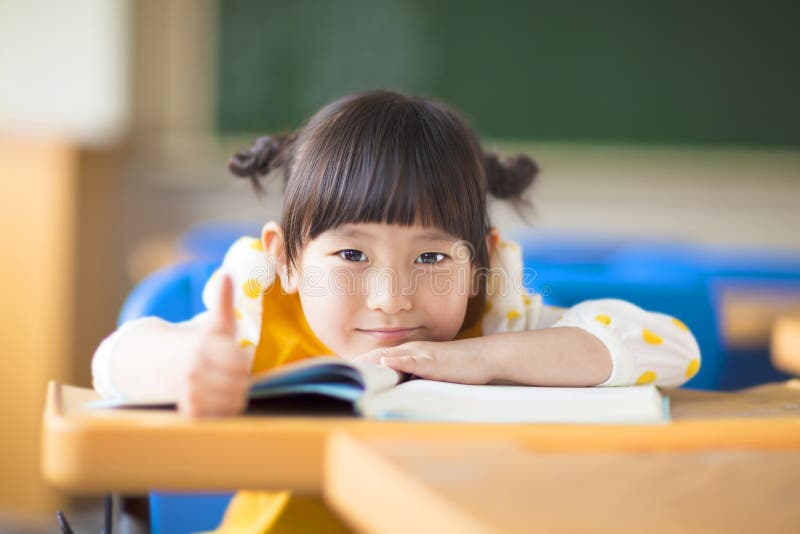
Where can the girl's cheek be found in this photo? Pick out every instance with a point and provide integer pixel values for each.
(444, 303)
(342, 283)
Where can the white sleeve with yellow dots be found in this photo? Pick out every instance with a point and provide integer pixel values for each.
(645, 347)
(251, 274)
(509, 308)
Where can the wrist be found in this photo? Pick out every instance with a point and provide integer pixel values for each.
(501, 365)
(486, 362)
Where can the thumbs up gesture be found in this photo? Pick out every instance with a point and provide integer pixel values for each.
(218, 375)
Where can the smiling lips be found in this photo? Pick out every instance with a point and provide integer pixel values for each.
(389, 333)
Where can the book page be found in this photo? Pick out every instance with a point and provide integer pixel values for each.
(429, 400)
(377, 377)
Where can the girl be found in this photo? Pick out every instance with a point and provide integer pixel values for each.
(385, 253)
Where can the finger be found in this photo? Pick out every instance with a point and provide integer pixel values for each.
(213, 395)
(219, 354)
(374, 356)
(420, 365)
(223, 317)
(219, 381)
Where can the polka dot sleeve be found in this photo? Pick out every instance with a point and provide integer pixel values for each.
(247, 265)
(645, 347)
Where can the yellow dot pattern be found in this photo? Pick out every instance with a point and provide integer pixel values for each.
(513, 314)
(692, 368)
(646, 378)
(256, 244)
(527, 300)
(605, 319)
(246, 343)
(238, 314)
(680, 324)
(651, 338)
(252, 288)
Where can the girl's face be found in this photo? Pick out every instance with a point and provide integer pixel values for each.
(369, 285)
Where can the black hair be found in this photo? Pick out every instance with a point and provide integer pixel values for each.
(383, 156)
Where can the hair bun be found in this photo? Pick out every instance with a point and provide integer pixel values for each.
(511, 177)
(266, 154)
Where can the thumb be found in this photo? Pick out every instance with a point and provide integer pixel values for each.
(223, 317)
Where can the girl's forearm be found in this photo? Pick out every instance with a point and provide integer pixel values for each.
(146, 360)
(559, 356)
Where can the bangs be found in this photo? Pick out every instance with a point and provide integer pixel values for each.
(405, 163)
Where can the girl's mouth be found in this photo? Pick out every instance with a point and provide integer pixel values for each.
(389, 333)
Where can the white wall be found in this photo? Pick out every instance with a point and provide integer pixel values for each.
(64, 69)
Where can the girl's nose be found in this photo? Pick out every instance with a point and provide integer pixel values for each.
(384, 292)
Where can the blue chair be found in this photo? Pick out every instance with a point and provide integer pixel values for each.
(175, 294)
(210, 240)
(684, 297)
(726, 270)
(566, 269)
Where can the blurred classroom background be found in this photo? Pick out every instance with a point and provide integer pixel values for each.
(651, 121)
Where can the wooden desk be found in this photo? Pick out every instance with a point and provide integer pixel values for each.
(94, 452)
(491, 484)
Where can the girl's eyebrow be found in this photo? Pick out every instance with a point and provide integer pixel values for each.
(431, 234)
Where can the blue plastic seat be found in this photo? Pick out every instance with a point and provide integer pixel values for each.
(683, 296)
(728, 271)
(210, 240)
(173, 293)
(566, 269)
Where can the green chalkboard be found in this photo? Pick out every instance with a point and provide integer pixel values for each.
(714, 72)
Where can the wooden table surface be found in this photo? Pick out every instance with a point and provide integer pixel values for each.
(134, 451)
(507, 484)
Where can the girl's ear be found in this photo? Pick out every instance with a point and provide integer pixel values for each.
(492, 238)
(272, 241)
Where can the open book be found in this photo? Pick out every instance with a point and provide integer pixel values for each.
(378, 392)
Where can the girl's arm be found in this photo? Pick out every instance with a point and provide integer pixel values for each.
(198, 361)
(565, 356)
(606, 342)
(548, 357)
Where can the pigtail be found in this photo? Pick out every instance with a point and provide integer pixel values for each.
(510, 178)
(267, 154)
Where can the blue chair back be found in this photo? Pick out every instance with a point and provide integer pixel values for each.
(635, 267)
(685, 297)
(210, 240)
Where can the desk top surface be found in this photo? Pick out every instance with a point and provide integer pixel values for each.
(90, 451)
(489, 484)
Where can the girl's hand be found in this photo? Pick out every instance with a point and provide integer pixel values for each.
(447, 361)
(218, 376)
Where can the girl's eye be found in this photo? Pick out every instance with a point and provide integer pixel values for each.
(352, 255)
(432, 257)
